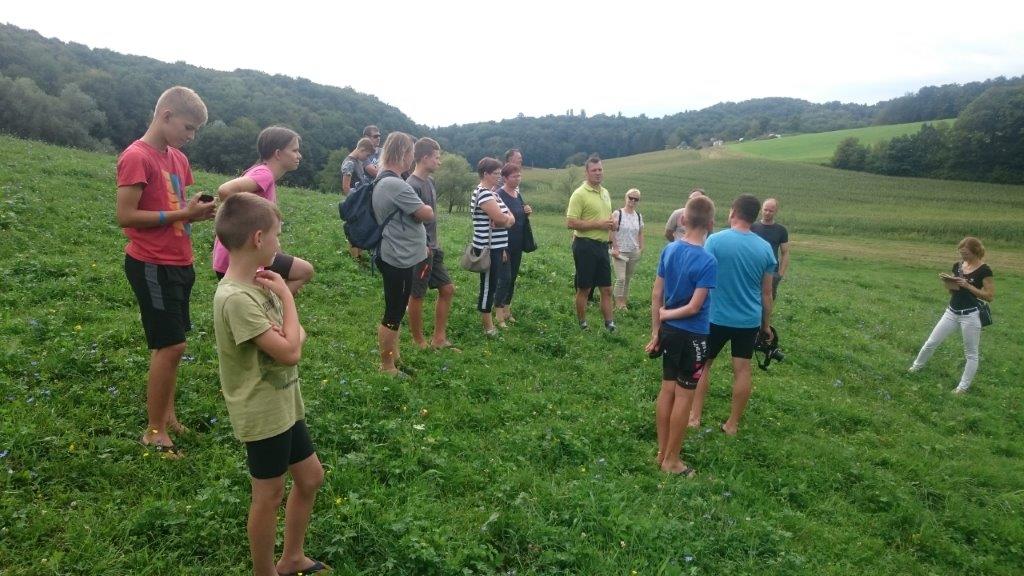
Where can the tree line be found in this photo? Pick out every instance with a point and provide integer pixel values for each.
(985, 143)
(69, 94)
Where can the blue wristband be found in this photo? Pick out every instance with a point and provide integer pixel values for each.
(162, 219)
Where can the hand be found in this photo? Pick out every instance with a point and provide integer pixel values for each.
(198, 210)
(652, 344)
(615, 252)
(272, 281)
(767, 336)
(662, 313)
(527, 209)
(608, 224)
(960, 282)
(278, 329)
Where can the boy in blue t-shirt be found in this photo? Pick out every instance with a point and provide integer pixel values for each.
(680, 323)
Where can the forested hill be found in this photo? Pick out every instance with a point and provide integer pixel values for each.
(69, 94)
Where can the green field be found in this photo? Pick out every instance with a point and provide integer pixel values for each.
(532, 453)
(819, 148)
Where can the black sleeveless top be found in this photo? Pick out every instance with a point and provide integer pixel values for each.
(962, 299)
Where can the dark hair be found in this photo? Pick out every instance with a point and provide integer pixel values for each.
(512, 152)
(510, 169)
(593, 159)
(369, 129)
(425, 147)
(274, 138)
(487, 164)
(746, 207)
(241, 215)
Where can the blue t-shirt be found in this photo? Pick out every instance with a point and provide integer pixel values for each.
(684, 268)
(743, 260)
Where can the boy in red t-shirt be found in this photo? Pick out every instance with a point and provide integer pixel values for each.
(156, 216)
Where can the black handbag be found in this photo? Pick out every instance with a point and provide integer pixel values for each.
(985, 313)
(529, 244)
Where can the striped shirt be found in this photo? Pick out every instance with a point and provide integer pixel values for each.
(482, 222)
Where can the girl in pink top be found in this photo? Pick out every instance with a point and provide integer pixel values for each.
(278, 148)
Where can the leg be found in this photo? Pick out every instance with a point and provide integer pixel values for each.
(300, 273)
(741, 380)
(970, 328)
(702, 390)
(485, 298)
(262, 525)
(387, 343)
(307, 477)
(581, 303)
(606, 303)
(662, 414)
(945, 326)
(677, 430)
(416, 321)
(163, 374)
(515, 260)
(620, 281)
(445, 294)
(634, 259)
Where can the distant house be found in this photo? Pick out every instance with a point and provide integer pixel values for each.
(775, 135)
(741, 139)
(717, 143)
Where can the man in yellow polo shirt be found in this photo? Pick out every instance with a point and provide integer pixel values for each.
(590, 217)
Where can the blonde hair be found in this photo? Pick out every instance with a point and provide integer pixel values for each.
(365, 144)
(637, 190)
(973, 245)
(241, 215)
(182, 100)
(699, 212)
(396, 148)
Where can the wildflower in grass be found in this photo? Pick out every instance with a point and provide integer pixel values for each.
(4, 453)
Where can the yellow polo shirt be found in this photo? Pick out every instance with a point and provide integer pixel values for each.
(589, 203)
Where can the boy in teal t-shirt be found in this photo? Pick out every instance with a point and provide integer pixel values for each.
(259, 344)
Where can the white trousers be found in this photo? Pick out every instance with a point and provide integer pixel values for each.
(624, 272)
(970, 327)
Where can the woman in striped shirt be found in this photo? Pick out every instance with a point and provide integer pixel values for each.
(491, 221)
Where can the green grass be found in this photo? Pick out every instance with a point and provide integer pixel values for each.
(530, 454)
(819, 148)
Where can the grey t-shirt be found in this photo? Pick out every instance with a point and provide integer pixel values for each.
(404, 241)
(428, 193)
(354, 168)
(675, 225)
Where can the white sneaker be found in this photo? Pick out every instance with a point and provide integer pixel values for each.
(960, 390)
(914, 368)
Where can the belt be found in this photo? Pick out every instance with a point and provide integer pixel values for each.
(964, 312)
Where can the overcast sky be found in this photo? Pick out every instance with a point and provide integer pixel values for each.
(459, 61)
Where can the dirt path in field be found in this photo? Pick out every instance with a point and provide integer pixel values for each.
(903, 251)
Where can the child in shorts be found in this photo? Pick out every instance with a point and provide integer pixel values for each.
(259, 344)
(680, 323)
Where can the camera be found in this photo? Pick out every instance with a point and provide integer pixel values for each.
(770, 350)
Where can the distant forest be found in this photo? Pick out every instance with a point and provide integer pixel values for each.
(70, 94)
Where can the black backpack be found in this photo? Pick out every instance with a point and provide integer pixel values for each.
(356, 210)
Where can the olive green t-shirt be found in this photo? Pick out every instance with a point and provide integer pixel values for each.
(262, 395)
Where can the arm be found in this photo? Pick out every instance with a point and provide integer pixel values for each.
(581, 225)
(640, 238)
(284, 345)
(498, 219)
(670, 226)
(240, 184)
(612, 237)
(766, 303)
(423, 214)
(783, 258)
(692, 307)
(130, 216)
(987, 291)
(657, 300)
(346, 183)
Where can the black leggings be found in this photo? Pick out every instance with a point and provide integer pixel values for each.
(397, 287)
(506, 288)
(499, 271)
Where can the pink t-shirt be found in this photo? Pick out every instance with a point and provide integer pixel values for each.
(163, 177)
(264, 178)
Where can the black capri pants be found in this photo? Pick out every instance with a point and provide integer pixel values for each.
(397, 287)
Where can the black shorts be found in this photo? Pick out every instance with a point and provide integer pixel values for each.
(593, 266)
(397, 287)
(282, 264)
(163, 293)
(271, 457)
(683, 356)
(741, 339)
(431, 273)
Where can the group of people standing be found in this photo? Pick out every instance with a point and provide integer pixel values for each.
(711, 289)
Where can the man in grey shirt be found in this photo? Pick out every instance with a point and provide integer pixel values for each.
(674, 228)
(431, 272)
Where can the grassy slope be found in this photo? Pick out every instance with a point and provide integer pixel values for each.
(819, 148)
(534, 453)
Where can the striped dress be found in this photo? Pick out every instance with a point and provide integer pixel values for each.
(482, 222)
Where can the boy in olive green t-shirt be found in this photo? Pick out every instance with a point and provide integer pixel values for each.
(259, 344)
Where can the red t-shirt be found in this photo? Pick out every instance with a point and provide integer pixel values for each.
(163, 177)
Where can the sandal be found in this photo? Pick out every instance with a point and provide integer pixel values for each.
(317, 566)
(164, 451)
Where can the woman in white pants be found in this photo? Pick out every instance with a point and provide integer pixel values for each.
(627, 243)
(970, 281)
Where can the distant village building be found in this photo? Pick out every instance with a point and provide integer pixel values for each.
(717, 143)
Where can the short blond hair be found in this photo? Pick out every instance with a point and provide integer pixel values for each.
(699, 212)
(182, 100)
(241, 215)
(637, 190)
(366, 145)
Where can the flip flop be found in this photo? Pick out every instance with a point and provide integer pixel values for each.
(317, 566)
(447, 345)
(164, 451)
(685, 472)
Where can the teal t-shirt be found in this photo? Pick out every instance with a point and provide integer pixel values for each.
(743, 260)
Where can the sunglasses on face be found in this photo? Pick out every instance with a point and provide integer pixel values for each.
(632, 199)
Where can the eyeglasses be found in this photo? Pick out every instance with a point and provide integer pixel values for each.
(634, 199)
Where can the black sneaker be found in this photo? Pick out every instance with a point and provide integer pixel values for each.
(584, 325)
(610, 325)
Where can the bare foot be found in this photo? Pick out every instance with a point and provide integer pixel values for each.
(693, 424)
(729, 431)
(160, 443)
(659, 458)
(177, 427)
(680, 469)
(421, 344)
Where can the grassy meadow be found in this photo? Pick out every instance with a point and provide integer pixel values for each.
(819, 148)
(532, 453)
